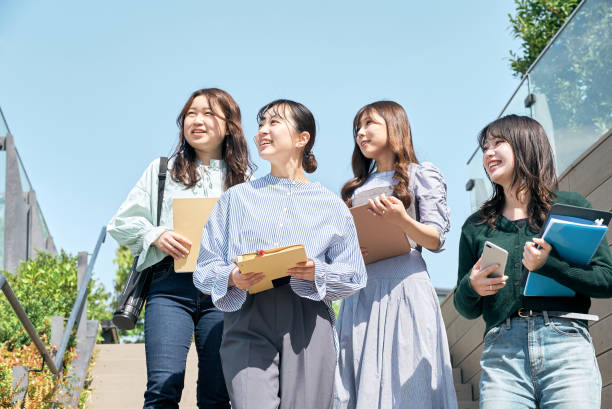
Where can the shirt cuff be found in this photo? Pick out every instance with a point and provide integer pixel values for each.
(465, 288)
(147, 242)
(313, 290)
(227, 299)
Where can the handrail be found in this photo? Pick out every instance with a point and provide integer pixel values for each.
(80, 301)
(27, 324)
(4, 120)
(54, 365)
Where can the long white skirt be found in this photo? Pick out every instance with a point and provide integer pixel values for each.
(393, 347)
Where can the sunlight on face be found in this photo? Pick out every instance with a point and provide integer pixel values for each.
(204, 127)
(498, 160)
(372, 137)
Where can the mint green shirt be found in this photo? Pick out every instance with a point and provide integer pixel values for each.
(134, 225)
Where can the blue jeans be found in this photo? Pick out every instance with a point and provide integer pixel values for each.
(174, 313)
(544, 362)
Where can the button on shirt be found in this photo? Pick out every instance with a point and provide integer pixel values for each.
(275, 212)
(134, 225)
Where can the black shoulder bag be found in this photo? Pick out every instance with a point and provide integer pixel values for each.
(136, 287)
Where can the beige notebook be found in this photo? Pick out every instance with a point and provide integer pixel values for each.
(381, 239)
(190, 216)
(274, 263)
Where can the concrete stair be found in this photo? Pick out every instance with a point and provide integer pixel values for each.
(120, 377)
(465, 397)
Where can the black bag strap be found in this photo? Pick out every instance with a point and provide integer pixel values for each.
(163, 168)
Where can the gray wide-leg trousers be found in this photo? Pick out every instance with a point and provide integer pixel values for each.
(278, 352)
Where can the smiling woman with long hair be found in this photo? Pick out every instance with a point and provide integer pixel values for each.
(211, 156)
(393, 347)
(537, 350)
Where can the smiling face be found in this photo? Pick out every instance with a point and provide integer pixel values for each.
(204, 127)
(498, 160)
(372, 137)
(277, 139)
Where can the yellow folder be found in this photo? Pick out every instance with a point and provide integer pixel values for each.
(274, 263)
(190, 216)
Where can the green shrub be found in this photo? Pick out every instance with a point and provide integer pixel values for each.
(46, 286)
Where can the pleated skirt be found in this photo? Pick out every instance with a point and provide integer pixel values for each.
(393, 346)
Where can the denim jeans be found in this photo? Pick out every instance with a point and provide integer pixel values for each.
(539, 362)
(174, 313)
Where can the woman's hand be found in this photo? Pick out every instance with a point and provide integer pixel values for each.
(173, 244)
(481, 284)
(389, 208)
(305, 271)
(364, 252)
(243, 281)
(533, 257)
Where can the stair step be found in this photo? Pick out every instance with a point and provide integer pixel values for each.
(457, 377)
(120, 377)
(464, 391)
(467, 404)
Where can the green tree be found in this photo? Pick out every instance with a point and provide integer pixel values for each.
(124, 260)
(47, 286)
(535, 23)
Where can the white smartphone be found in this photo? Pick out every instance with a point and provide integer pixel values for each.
(492, 254)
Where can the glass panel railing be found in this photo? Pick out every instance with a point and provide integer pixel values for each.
(2, 201)
(516, 105)
(3, 126)
(571, 83)
(479, 186)
(25, 181)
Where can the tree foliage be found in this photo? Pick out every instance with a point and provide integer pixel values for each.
(47, 286)
(535, 23)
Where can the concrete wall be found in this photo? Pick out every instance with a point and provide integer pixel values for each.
(591, 176)
(24, 229)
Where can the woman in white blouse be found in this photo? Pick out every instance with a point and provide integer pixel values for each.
(211, 156)
(278, 346)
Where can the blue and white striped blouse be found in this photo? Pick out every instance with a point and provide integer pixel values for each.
(274, 212)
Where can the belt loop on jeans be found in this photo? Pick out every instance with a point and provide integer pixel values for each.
(546, 320)
(508, 323)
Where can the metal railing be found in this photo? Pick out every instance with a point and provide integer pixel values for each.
(54, 364)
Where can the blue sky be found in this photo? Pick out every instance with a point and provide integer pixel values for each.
(91, 90)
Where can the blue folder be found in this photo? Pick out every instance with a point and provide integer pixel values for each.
(575, 234)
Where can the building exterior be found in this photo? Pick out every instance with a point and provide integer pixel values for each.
(568, 89)
(23, 229)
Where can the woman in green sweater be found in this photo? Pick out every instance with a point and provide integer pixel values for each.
(537, 350)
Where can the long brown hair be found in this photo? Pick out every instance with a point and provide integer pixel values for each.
(234, 151)
(400, 142)
(534, 168)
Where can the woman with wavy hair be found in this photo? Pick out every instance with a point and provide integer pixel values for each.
(537, 350)
(393, 347)
(211, 156)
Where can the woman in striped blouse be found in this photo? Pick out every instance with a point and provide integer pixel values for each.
(278, 346)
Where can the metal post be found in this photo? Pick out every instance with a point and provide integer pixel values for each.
(27, 324)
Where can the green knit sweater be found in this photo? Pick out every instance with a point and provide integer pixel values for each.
(594, 280)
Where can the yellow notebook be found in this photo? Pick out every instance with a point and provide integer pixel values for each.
(274, 263)
(190, 216)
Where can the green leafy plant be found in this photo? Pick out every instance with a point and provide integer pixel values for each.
(47, 286)
(535, 23)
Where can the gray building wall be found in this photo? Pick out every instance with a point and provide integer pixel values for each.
(25, 230)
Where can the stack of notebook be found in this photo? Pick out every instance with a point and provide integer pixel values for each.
(575, 233)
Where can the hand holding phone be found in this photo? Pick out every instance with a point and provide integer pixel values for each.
(493, 254)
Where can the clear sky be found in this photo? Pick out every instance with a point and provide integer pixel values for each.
(91, 90)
